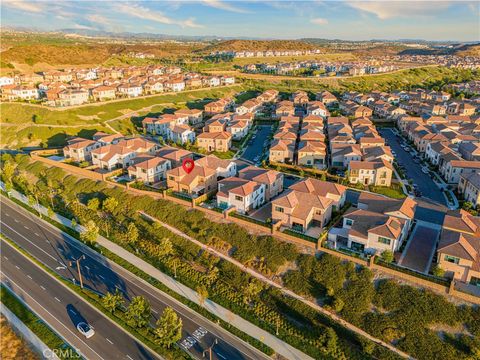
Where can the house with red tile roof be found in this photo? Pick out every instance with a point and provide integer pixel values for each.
(458, 251)
(149, 169)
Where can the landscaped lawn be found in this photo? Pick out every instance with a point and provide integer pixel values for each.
(395, 193)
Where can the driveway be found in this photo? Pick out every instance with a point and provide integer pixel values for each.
(413, 170)
(257, 146)
(420, 248)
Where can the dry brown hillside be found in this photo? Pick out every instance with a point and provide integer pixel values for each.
(471, 50)
(11, 346)
(259, 45)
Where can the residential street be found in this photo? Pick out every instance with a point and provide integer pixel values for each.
(257, 146)
(62, 309)
(413, 170)
(55, 250)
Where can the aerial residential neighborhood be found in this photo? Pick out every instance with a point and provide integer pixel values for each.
(240, 180)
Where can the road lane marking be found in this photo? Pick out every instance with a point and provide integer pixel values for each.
(16, 220)
(42, 287)
(7, 215)
(6, 258)
(57, 299)
(128, 356)
(49, 313)
(26, 227)
(17, 267)
(57, 233)
(37, 234)
(38, 247)
(109, 340)
(29, 277)
(155, 311)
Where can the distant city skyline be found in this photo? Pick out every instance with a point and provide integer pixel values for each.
(347, 20)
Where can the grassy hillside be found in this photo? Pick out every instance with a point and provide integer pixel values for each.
(430, 77)
(30, 125)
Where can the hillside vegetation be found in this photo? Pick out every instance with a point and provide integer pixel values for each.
(11, 346)
(259, 45)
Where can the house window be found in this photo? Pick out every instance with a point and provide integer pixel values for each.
(171, 178)
(348, 222)
(238, 198)
(279, 209)
(383, 240)
(452, 259)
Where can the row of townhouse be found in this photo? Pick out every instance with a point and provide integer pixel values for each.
(358, 147)
(452, 144)
(65, 89)
(264, 53)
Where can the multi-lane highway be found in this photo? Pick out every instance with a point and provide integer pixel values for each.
(63, 309)
(56, 250)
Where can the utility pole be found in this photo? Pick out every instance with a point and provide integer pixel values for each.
(77, 261)
(209, 350)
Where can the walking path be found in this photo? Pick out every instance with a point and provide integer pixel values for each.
(284, 290)
(278, 345)
(270, 340)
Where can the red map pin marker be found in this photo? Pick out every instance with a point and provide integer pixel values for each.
(188, 165)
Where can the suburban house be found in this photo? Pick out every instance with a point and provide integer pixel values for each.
(223, 168)
(238, 129)
(455, 168)
(370, 232)
(458, 251)
(343, 154)
(201, 180)
(312, 153)
(281, 151)
(103, 92)
(243, 194)
(216, 107)
(214, 141)
(130, 90)
(121, 154)
(327, 98)
(174, 155)
(469, 187)
(301, 211)
(335, 192)
(79, 149)
(273, 180)
(377, 173)
(180, 134)
(195, 116)
(149, 169)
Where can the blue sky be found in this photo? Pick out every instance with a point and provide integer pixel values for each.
(349, 20)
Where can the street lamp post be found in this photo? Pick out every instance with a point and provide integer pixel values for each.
(209, 350)
(77, 261)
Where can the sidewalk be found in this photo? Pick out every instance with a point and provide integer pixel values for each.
(278, 345)
(284, 290)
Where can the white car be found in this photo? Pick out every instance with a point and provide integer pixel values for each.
(425, 170)
(85, 329)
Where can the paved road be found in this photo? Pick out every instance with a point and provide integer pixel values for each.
(421, 246)
(63, 310)
(413, 170)
(55, 250)
(257, 147)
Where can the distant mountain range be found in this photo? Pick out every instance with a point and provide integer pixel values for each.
(209, 38)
